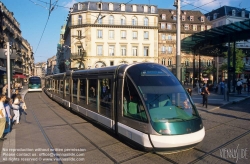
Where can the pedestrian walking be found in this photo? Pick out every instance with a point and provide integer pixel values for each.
(239, 86)
(222, 87)
(16, 108)
(7, 106)
(204, 93)
(2, 117)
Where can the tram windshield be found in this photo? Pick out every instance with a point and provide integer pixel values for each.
(162, 94)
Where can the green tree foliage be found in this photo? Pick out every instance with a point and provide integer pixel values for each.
(239, 65)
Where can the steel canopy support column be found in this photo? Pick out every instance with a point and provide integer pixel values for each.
(234, 65)
(228, 69)
(178, 40)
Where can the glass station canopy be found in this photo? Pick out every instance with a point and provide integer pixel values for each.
(210, 42)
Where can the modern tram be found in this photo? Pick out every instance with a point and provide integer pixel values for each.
(34, 84)
(143, 103)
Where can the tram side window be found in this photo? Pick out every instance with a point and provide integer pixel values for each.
(75, 87)
(92, 104)
(67, 86)
(132, 104)
(61, 86)
(82, 94)
(105, 97)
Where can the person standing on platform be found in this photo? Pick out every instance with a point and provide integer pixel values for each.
(205, 94)
(4, 89)
(7, 105)
(2, 116)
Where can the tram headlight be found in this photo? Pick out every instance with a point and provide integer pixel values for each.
(165, 131)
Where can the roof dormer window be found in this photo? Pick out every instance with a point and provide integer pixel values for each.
(134, 8)
(99, 6)
(208, 18)
(243, 13)
(233, 12)
(122, 7)
(79, 6)
(152, 9)
(191, 18)
(215, 16)
(172, 12)
(174, 17)
(145, 9)
(183, 17)
(111, 6)
(163, 16)
(202, 19)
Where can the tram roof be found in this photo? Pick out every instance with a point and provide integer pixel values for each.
(210, 42)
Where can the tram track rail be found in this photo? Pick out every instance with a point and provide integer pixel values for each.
(128, 159)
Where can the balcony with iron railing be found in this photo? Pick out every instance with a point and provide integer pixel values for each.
(115, 23)
(77, 55)
(18, 69)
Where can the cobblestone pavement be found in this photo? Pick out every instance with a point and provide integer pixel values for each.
(49, 133)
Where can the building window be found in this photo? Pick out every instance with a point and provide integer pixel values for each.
(99, 20)
(183, 17)
(208, 27)
(194, 27)
(123, 50)
(233, 12)
(169, 62)
(163, 25)
(215, 16)
(145, 9)
(123, 20)
(134, 8)
(134, 50)
(186, 63)
(111, 34)
(169, 50)
(163, 49)
(111, 19)
(134, 21)
(163, 37)
(145, 52)
(111, 6)
(202, 19)
(186, 27)
(169, 26)
(202, 28)
(79, 33)
(163, 16)
(111, 63)
(146, 35)
(99, 6)
(79, 50)
(99, 33)
(152, 9)
(134, 34)
(123, 34)
(191, 18)
(122, 7)
(79, 19)
(208, 62)
(99, 50)
(79, 6)
(145, 21)
(169, 37)
(111, 50)
(243, 14)
(174, 17)
(163, 61)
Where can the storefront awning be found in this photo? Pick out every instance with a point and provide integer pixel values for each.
(20, 76)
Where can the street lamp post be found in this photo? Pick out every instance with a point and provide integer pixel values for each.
(177, 4)
(8, 67)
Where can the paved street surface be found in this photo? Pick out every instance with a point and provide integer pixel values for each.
(51, 134)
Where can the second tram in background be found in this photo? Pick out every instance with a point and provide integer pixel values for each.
(143, 103)
(34, 84)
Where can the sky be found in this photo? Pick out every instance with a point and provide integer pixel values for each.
(42, 30)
